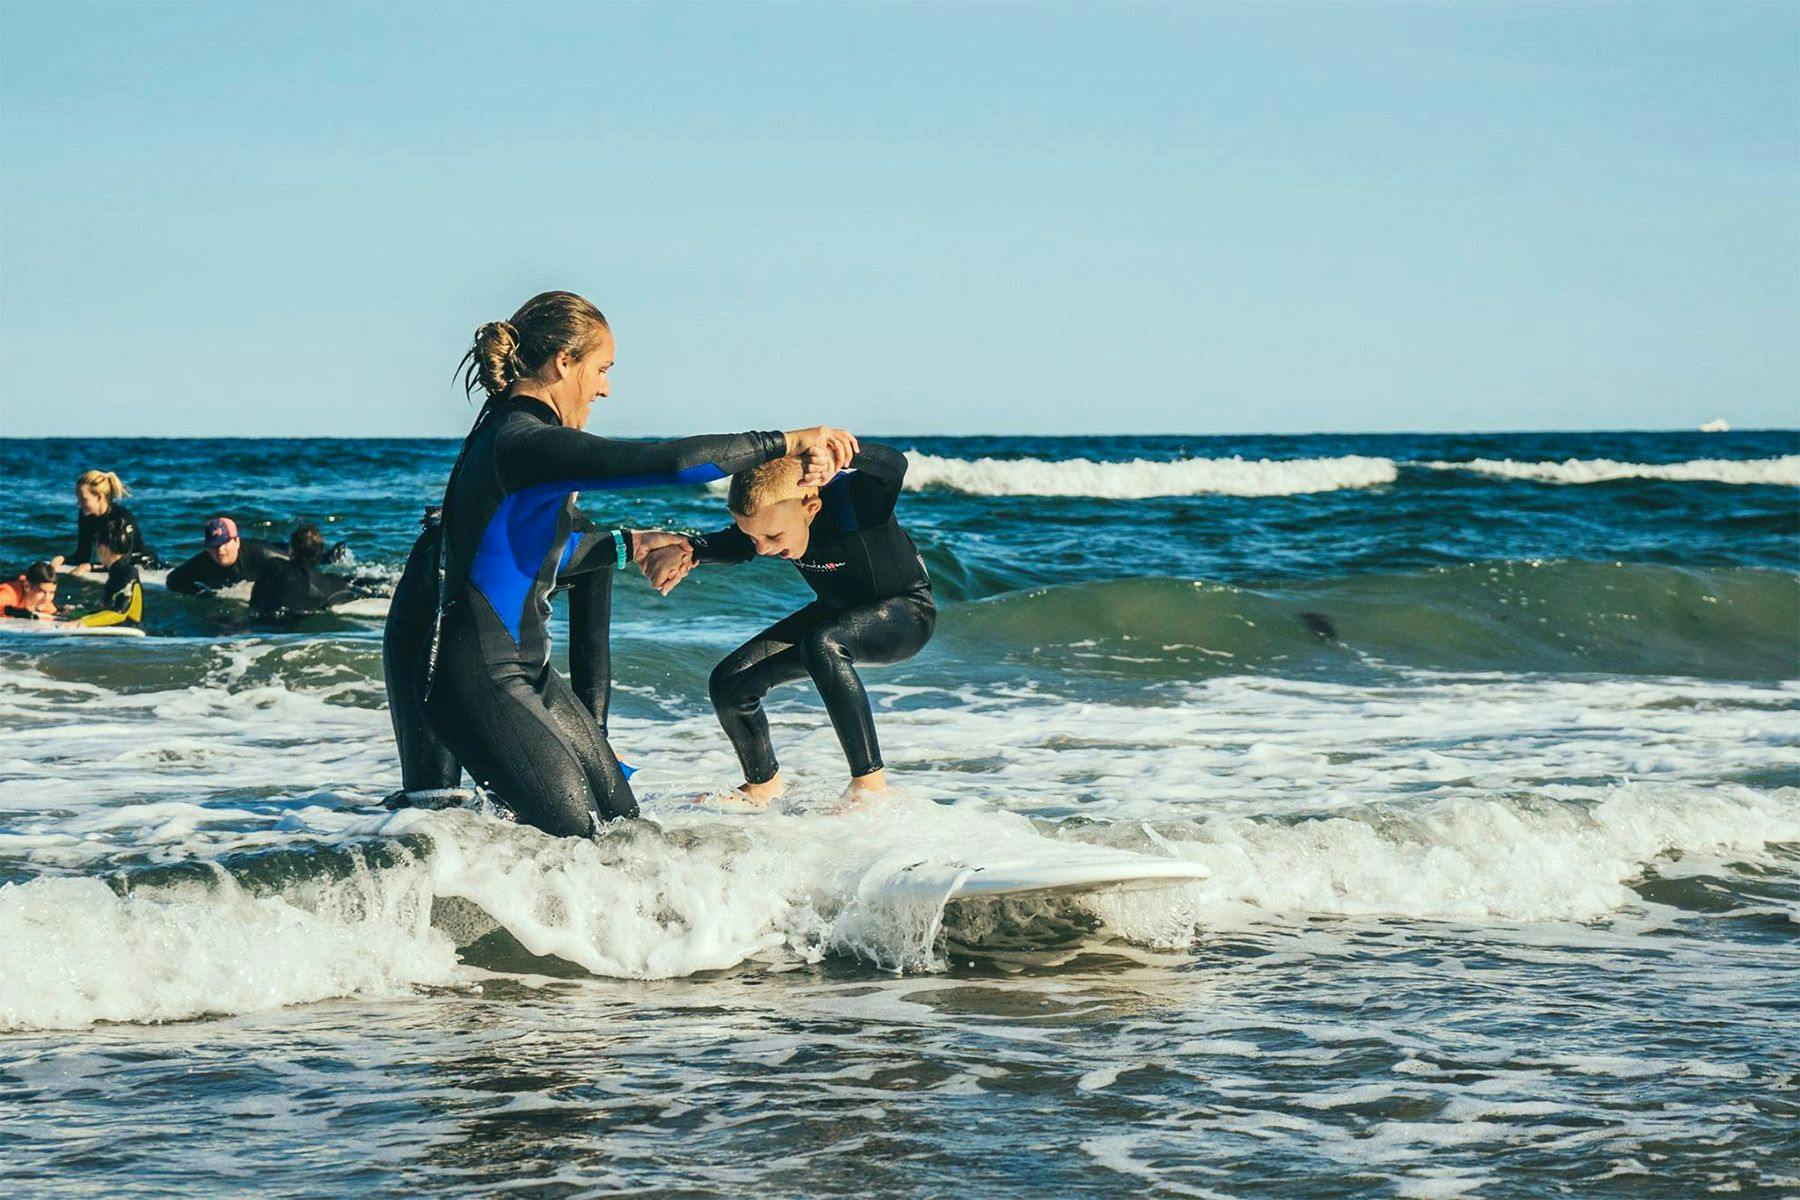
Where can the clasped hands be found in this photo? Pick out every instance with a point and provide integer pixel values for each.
(666, 558)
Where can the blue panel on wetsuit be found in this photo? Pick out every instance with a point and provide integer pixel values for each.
(518, 536)
(512, 550)
(705, 473)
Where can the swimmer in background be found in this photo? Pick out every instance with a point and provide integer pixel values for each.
(97, 496)
(874, 603)
(32, 596)
(122, 598)
(227, 560)
(294, 585)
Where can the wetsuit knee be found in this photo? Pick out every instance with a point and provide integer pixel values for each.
(823, 651)
(733, 690)
(570, 817)
(721, 685)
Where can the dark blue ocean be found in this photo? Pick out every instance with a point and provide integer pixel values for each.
(1487, 742)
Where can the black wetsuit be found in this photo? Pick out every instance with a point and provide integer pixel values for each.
(291, 587)
(874, 605)
(122, 597)
(426, 764)
(425, 761)
(201, 576)
(511, 529)
(86, 526)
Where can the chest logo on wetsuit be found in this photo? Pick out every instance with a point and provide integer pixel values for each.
(813, 566)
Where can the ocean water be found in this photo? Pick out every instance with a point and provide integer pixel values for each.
(1488, 742)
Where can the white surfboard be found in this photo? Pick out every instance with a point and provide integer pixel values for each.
(66, 628)
(150, 577)
(372, 607)
(1061, 868)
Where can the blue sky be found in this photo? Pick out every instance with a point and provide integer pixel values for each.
(264, 219)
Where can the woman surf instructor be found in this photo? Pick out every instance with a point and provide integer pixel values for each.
(480, 675)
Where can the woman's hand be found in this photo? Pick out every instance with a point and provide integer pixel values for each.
(822, 450)
(644, 541)
(668, 566)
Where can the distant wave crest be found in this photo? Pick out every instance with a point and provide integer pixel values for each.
(1783, 471)
(1142, 478)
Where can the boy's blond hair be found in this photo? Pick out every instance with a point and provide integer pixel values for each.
(764, 486)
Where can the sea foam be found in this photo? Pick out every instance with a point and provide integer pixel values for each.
(699, 890)
(1141, 478)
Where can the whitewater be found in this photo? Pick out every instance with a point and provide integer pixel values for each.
(1488, 745)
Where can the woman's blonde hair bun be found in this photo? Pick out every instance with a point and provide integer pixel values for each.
(547, 324)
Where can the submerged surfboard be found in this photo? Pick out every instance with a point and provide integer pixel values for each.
(69, 628)
(1094, 870)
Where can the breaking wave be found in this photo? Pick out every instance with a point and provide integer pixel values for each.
(1783, 471)
(1143, 478)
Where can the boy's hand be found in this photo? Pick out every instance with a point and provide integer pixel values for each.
(823, 451)
(644, 541)
(668, 566)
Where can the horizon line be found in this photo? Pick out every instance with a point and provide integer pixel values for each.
(420, 437)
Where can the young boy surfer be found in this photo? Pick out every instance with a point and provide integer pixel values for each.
(873, 605)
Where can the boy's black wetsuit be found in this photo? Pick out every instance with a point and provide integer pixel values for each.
(292, 586)
(510, 531)
(200, 575)
(875, 605)
(87, 526)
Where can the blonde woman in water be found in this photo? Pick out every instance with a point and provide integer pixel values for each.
(97, 496)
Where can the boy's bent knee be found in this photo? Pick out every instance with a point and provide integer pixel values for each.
(823, 648)
(728, 688)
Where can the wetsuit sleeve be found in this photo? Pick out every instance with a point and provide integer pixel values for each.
(139, 548)
(255, 554)
(728, 545)
(880, 474)
(569, 458)
(332, 589)
(186, 578)
(591, 548)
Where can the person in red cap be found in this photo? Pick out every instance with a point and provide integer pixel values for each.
(227, 560)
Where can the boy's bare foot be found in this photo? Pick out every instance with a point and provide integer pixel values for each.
(762, 793)
(863, 790)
